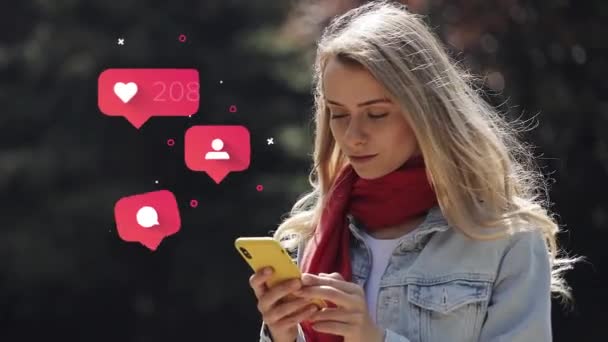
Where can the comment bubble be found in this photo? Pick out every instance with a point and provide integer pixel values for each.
(138, 94)
(217, 150)
(147, 218)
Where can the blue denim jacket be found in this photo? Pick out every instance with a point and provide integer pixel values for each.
(441, 285)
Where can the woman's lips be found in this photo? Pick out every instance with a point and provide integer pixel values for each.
(362, 159)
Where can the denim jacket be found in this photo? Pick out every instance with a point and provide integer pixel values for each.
(441, 285)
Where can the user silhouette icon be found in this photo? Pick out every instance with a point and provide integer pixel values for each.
(217, 145)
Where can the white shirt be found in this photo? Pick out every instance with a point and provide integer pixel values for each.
(381, 251)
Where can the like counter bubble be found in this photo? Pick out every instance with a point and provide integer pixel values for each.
(147, 218)
(139, 94)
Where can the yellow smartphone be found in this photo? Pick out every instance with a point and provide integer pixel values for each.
(260, 252)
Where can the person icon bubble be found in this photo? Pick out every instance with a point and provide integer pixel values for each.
(217, 154)
(231, 143)
(147, 217)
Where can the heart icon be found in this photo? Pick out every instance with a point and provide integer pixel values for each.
(125, 91)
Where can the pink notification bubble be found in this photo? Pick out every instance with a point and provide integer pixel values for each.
(138, 94)
(147, 218)
(260, 187)
(217, 150)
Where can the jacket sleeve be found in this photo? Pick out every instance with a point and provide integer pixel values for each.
(265, 333)
(520, 306)
(301, 337)
(266, 337)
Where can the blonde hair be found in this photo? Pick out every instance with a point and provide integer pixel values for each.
(460, 135)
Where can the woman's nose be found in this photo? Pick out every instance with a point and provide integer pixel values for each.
(355, 133)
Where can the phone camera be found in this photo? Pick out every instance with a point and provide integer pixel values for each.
(245, 253)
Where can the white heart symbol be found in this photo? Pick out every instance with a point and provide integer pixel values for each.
(125, 91)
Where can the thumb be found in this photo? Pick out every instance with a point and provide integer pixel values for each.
(334, 275)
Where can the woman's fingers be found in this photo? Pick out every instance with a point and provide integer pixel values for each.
(297, 317)
(257, 281)
(274, 294)
(286, 309)
(338, 315)
(334, 275)
(280, 309)
(328, 293)
(334, 280)
(342, 293)
(332, 327)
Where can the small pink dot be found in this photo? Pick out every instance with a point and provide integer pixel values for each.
(182, 38)
(193, 203)
(232, 109)
(259, 187)
(170, 142)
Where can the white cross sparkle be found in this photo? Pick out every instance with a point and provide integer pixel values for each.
(121, 41)
(270, 141)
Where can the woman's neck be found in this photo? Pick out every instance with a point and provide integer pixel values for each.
(399, 230)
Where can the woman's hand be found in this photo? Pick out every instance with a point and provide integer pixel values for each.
(280, 312)
(350, 318)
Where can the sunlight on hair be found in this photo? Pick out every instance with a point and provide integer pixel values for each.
(501, 189)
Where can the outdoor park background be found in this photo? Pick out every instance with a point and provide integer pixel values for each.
(64, 272)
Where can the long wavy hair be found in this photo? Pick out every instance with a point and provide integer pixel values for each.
(485, 177)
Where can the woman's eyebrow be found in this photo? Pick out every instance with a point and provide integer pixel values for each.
(366, 103)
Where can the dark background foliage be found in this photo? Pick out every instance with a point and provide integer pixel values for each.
(65, 273)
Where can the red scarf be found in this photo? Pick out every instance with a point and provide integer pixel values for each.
(377, 203)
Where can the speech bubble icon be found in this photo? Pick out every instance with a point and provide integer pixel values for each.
(217, 150)
(138, 94)
(147, 218)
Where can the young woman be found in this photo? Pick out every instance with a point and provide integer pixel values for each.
(426, 221)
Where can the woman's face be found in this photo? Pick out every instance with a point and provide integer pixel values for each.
(364, 121)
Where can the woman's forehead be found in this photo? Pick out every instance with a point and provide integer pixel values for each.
(343, 82)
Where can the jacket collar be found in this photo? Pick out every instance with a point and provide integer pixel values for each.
(433, 222)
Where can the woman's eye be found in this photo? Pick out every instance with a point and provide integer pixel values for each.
(373, 116)
(377, 116)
